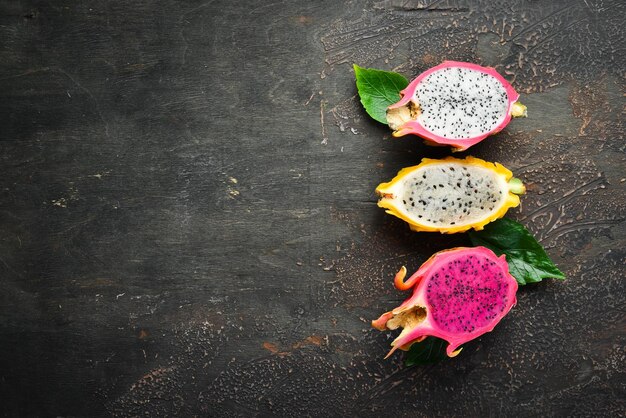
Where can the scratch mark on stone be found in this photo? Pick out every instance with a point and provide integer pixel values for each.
(182, 30)
(265, 6)
(25, 73)
(578, 226)
(7, 266)
(310, 98)
(324, 135)
(547, 38)
(540, 21)
(584, 189)
(201, 6)
(88, 92)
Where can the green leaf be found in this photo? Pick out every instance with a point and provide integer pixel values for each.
(430, 351)
(528, 261)
(378, 90)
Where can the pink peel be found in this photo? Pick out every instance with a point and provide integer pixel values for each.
(437, 286)
(413, 125)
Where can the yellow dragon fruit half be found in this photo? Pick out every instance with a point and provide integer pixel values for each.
(451, 195)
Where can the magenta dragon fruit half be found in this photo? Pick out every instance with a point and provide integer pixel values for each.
(459, 295)
(455, 103)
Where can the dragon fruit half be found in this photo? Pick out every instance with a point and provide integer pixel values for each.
(459, 295)
(455, 103)
(450, 195)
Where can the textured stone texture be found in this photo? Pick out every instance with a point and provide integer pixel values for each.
(188, 224)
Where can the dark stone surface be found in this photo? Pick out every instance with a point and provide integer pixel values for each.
(188, 224)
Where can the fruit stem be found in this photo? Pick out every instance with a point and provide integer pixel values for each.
(516, 186)
(518, 110)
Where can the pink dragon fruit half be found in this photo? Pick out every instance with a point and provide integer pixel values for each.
(455, 103)
(459, 295)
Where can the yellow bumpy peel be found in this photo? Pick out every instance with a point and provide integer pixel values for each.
(450, 195)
